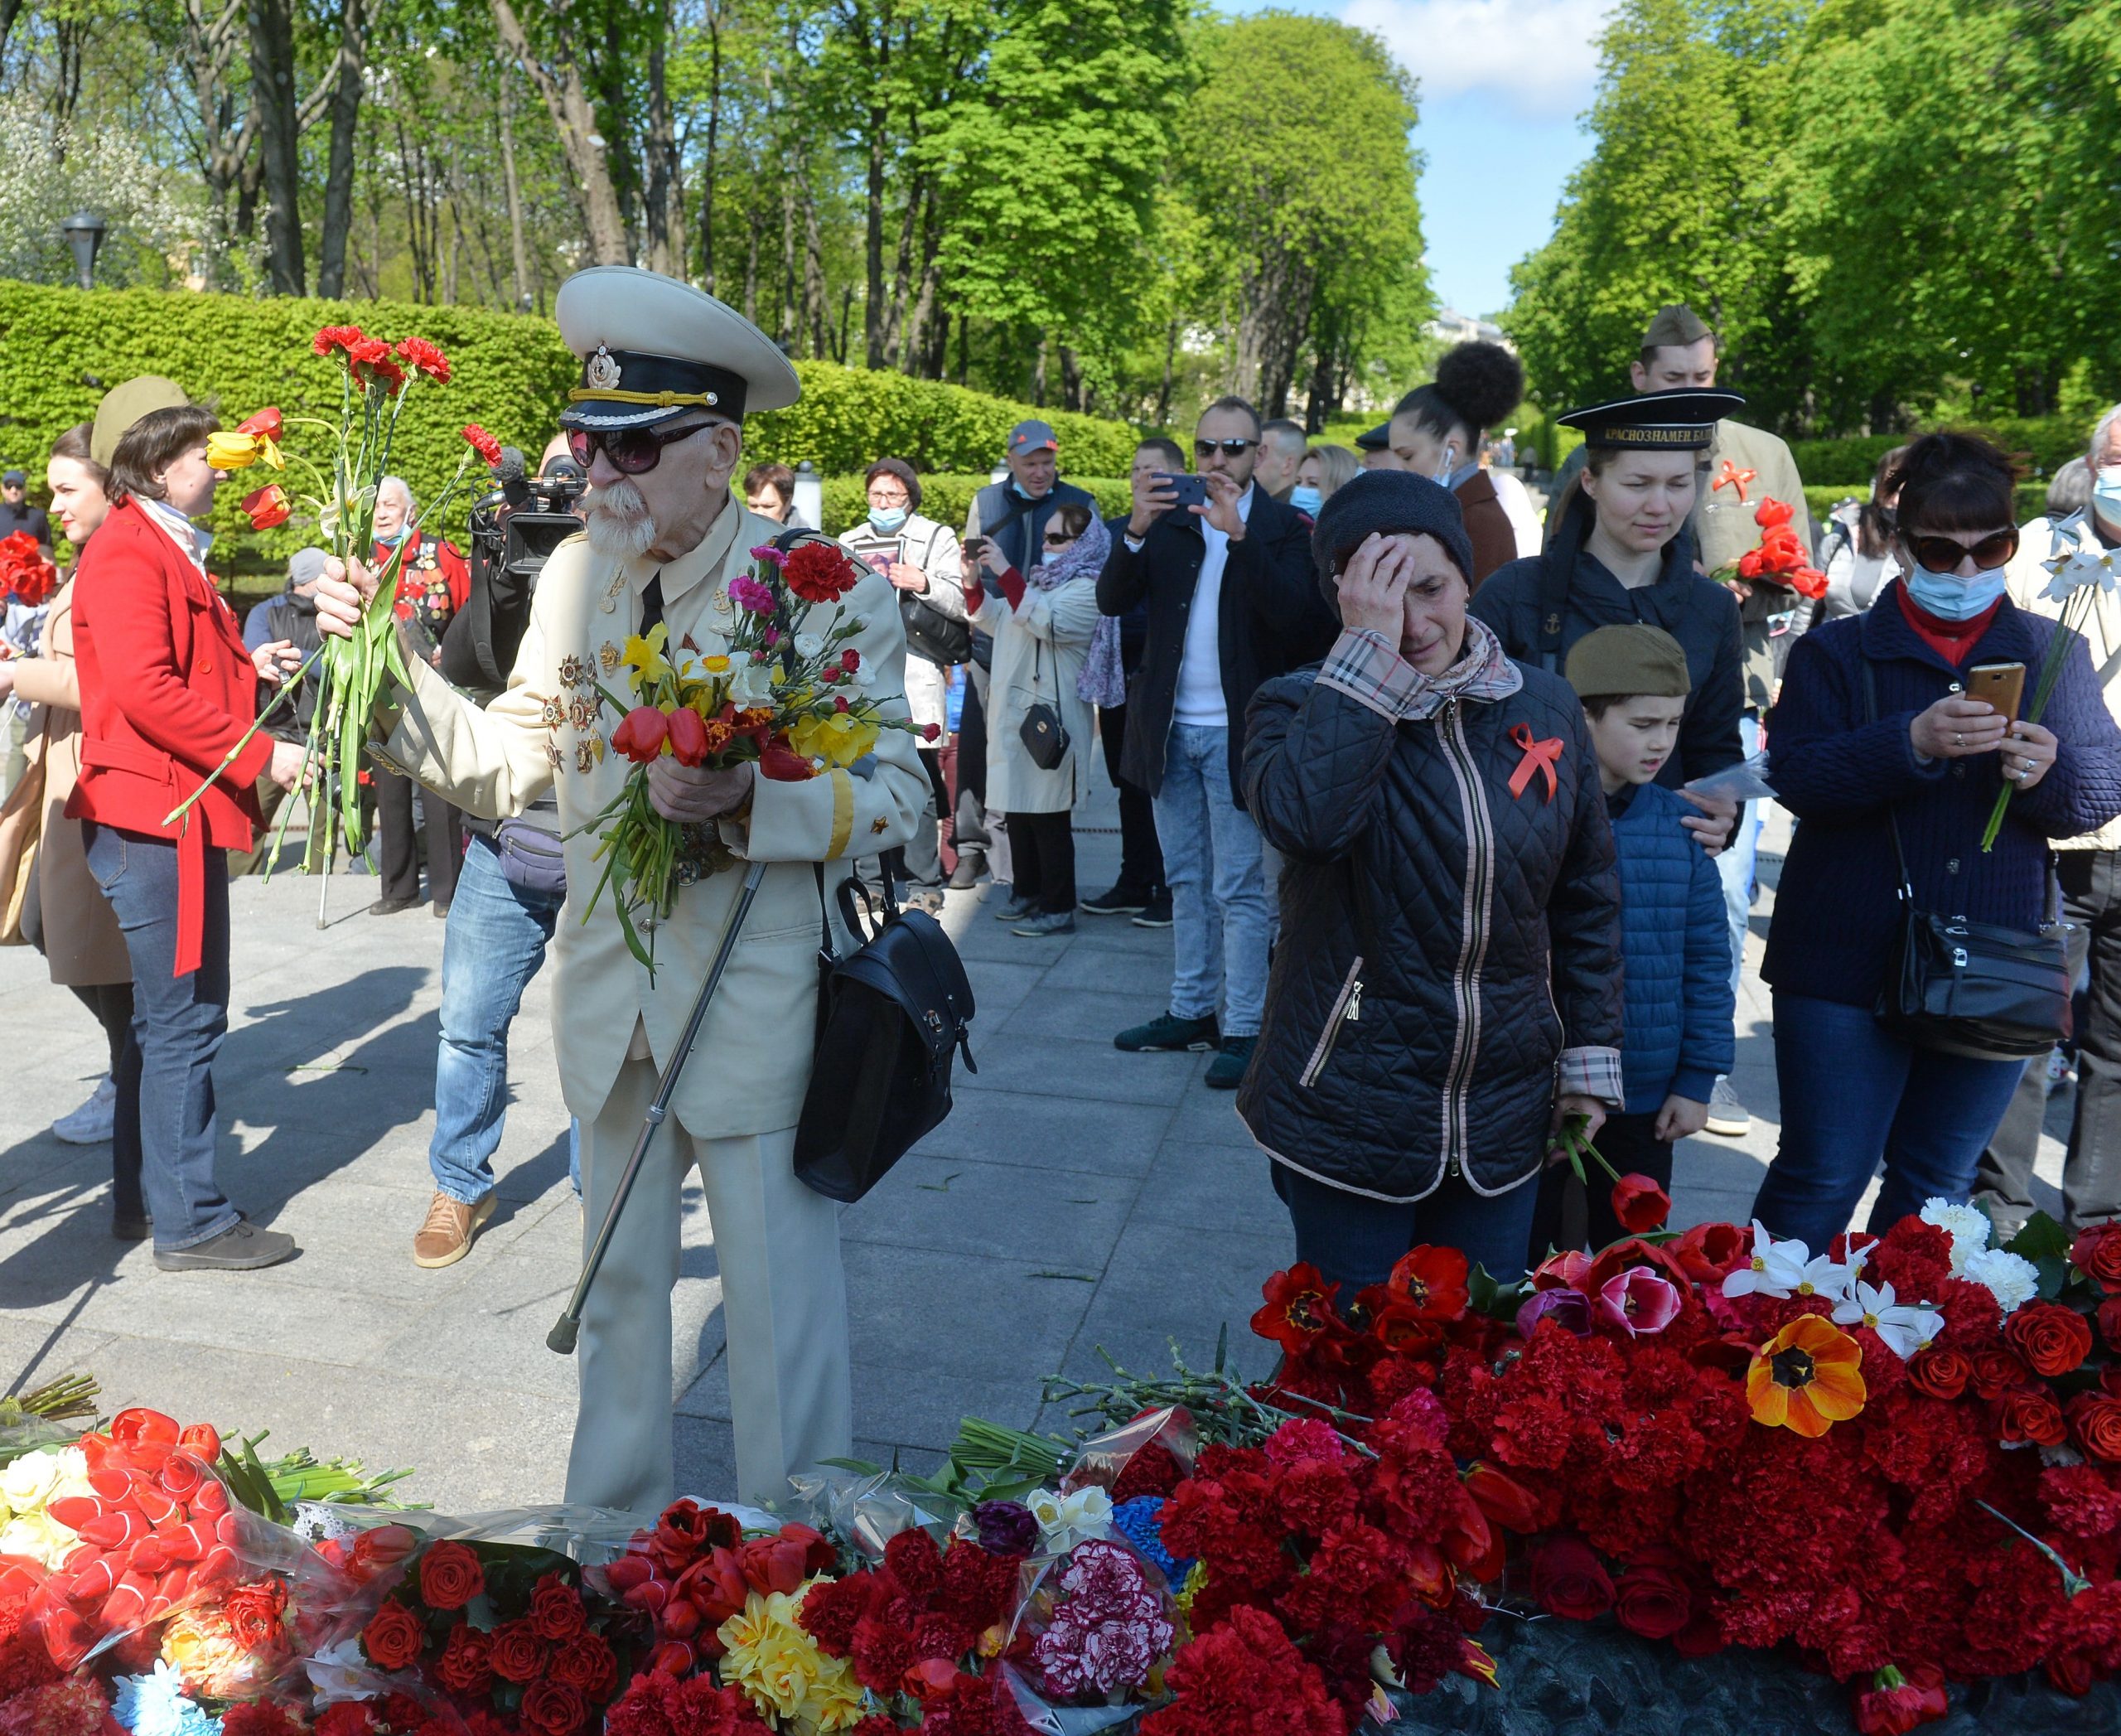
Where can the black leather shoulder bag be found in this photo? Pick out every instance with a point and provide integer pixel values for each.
(1979, 989)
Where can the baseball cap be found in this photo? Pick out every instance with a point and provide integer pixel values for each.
(1031, 436)
(13, 478)
(306, 566)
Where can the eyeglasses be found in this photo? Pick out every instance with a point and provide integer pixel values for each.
(633, 451)
(1227, 448)
(1943, 554)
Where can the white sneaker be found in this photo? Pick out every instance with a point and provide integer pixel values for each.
(93, 1123)
(1727, 1115)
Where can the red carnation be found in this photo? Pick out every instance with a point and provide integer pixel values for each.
(1569, 1581)
(1640, 1204)
(1151, 1469)
(1897, 1701)
(392, 1638)
(2052, 1339)
(1299, 1310)
(1432, 1281)
(335, 337)
(347, 1718)
(482, 442)
(451, 1575)
(423, 356)
(1245, 1678)
(819, 572)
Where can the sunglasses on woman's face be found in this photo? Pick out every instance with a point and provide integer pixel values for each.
(633, 451)
(1058, 539)
(1943, 554)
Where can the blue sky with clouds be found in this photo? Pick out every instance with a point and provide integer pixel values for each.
(1502, 83)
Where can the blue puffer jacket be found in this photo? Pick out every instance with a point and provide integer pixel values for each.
(1675, 940)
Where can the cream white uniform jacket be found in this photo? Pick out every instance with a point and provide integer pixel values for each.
(751, 1064)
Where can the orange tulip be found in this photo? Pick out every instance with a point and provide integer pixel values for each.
(1808, 1378)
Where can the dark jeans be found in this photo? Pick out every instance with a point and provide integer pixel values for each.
(398, 861)
(178, 1022)
(970, 833)
(1044, 847)
(919, 864)
(2091, 1173)
(1630, 1144)
(1356, 1241)
(1141, 857)
(1851, 1096)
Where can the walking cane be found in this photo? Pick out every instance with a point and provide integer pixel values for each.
(569, 1326)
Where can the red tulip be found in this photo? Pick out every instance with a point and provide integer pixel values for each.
(641, 733)
(266, 422)
(74, 1511)
(1503, 1499)
(267, 506)
(1640, 1204)
(673, 1657)
(782, 765)
(213, 1500)
(117, 1531)
(688, 738)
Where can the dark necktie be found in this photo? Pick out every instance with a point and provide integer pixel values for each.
(651, 604)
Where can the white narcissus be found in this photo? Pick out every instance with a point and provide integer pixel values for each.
(1905, 1329)
(1775, 1267)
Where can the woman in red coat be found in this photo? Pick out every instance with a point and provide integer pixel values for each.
(167, 690)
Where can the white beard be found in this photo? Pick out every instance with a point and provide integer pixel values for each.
(618, 523)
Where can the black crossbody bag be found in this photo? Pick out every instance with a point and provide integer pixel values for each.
(1979, 989)
(1045, 736)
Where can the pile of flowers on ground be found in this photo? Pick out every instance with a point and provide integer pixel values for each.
(1900, 1456)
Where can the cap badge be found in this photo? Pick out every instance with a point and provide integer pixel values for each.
(602, 371)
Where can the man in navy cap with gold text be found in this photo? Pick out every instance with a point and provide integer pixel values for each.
(667, 373)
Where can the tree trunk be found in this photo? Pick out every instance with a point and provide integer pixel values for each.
(1170, 364)
(788, 325)
(813, 278)
(345, 106)
(10, 10)
(272, 82)
(1038, 374)
(69, 36)
(1071, 380)
(518, 248)
(663, 206)
(207, 45)
(872, 313)
(707, 163)
(566, 97)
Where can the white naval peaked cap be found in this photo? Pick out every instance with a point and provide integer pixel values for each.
(654, 349)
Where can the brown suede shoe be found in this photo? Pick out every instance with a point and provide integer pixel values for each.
(446, 1237)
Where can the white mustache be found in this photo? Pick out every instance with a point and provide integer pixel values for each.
(618, 523)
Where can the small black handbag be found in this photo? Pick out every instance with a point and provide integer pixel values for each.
(890, 1016)
(1045, 736)
(1979, 989)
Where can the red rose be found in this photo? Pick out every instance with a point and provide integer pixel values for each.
(1996, 1372)
(451, 1575)
(639, 736)
(2097, 1420)
(1652, 1597)
(818, 572)
(554, 1708)
(253, 1612)
(588, 1663)
(1569, 1581)
(2029, 1414)
(556, 1610)
(2097, 1250)
(517, 1654)
(2052, 1339)
(1942, 1374)
(392, 1638)
(482, 442)
(464, 1666)
(1640, 1204)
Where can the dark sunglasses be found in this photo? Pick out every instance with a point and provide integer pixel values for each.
(633, 451)
(1229, 448)
(1943, 554)
(1057, 539)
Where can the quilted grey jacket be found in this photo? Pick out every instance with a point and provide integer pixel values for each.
(1410, 1029)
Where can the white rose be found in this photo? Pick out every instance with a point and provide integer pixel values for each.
(39, 1537)
(27, 1483)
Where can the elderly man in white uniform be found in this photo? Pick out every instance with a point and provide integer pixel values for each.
(667, 373)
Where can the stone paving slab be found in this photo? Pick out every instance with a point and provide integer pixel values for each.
(1079, 1199)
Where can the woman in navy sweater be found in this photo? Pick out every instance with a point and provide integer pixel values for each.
(1851, 1093)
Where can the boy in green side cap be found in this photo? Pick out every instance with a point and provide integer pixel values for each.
(1676, 1019)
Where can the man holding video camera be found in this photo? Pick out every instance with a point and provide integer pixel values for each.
(1226, 572)
(513, 880)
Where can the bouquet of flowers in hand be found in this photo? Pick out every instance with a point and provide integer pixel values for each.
(1780, 559)
(377, 378)
(780, 692)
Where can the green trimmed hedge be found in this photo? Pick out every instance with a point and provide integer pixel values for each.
(60, 350)
(2046, 443)
(2032, 498)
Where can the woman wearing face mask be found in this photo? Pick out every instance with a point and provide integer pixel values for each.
(924, 564)
(1447, 986)
(1622, 555)
(1042, 622)
(1325, 471)
(168, 689)
(434, 582)
(1436, 431)
(1852, 756)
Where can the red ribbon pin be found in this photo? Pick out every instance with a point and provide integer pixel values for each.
(1733, 477)
(1538, 757)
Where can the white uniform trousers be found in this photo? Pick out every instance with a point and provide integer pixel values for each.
(783, 1309)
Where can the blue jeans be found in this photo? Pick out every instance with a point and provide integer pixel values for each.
(1221, 920)
(1851, 1093)
(495, 942)
(178, 1022)
(1734, 867)
(1356, 1241)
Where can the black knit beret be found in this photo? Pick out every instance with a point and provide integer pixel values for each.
(1386, 501)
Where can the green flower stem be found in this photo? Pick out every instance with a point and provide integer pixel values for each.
(288, 688)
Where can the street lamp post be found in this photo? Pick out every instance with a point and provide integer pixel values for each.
(84, 232)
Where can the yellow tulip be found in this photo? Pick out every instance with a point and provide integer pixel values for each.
(231, 451)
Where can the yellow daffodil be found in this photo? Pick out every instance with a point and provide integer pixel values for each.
(772, 1660)
(839, 738)
(644, 654)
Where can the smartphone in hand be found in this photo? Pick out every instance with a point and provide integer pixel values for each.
(1192, 491)
(2000, 684)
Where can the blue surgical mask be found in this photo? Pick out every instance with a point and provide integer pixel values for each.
(886, 518)
(1949, 597)
(1306, 499)
(395, 537)
(2106, 493)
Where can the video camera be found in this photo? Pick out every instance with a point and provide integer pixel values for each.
(515, 530)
